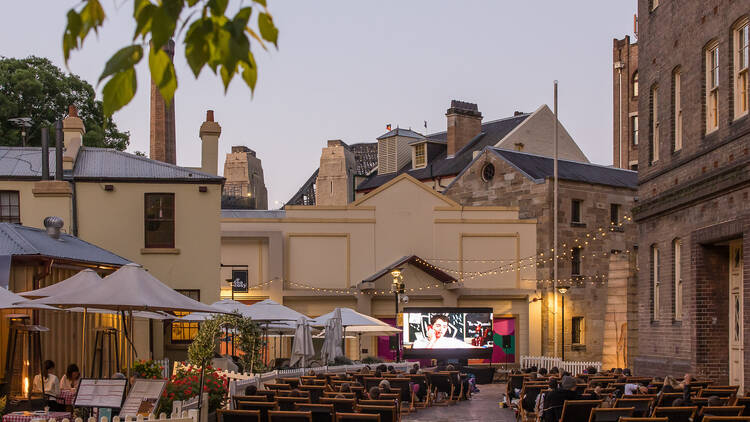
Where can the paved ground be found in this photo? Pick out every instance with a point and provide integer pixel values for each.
(483, 406)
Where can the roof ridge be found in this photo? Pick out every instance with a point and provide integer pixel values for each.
(563, 159)
(148, 160)
(11, 231)
(487, 122)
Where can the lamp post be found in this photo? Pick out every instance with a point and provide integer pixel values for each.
(23, 123)
(398, 288)
(563, 289)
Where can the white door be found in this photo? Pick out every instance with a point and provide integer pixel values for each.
(736, 303)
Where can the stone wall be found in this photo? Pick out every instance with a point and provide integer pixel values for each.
(625, 102)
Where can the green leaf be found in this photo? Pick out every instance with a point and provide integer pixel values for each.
(226, 76)
(126, 58)
(119, 91)
(162, 27)
(218, 7)
(249, 74)
(242, 17)
(143, 20)
(92, 16)
(197, 50)
(71, 34)
(162, 73)
(268, 30)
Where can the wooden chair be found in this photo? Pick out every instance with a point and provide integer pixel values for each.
(719, 392)
(609, 414)
(236, 399)
(340, 405)
(290, 403)
(316, 392)
(406, 396)
(270, 394)
(369, 382)
(359, 392)
(703, 401)
(224, 415)
(641, 404)
(441, 383)
(332, 394)
(743, 401)
(389, 396)
(277, 386)
(423, 396)
(527, 403)
(644, 420)
(676, 414)
(283, 416)
(578, 410)
(515, 382)
(320, 412)
(357, 417)
(262, 406)
(293, 382)
(387, 413)
(666, 399)
(726, 419)
(288, 393)
(377, 402)
(720, 411)
(307, 379)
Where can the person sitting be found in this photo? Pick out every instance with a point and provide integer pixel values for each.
(543, 372)
(51, 386)
(391, 369)
(412, 371)
(378, 374)
(71, 378)
(554, 401)
(554, 371)
(627, 372)
(339, 396)
(374, 393)
(311, 373)
(251, 390)
(385, 386)
(415, 367)
(715, 401)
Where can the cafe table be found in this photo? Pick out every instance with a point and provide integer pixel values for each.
(29, 416)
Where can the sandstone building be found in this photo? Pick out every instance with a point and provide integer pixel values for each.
(694, 183)
(245, 185)
(625, 92)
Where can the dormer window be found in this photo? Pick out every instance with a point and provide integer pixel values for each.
(420, 155)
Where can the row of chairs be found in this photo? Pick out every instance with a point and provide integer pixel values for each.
(379, 410)
(289, 416)
(591, 410)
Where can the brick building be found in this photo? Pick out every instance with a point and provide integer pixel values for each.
(625, 92)
(694, 183)
(593, 200)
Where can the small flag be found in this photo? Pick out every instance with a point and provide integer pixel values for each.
(388, 126)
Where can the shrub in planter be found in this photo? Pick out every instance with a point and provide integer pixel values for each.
(147, 369)
(340, 360)
(371, 359)
(186, 384)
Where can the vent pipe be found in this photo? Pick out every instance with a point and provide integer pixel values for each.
(58, 150)
(53, 225)
(45, 153)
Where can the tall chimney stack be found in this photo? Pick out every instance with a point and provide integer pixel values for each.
(209, 134)
(464, 123)
(163, 138)
(73, 131)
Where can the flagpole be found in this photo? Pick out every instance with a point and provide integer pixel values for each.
(555, 222)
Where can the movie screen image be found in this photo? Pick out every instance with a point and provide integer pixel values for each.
(447, 328)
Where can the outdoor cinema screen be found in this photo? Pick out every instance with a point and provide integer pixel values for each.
(447, 332)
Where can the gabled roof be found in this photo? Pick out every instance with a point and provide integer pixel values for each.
(401, 132)
(98, 164)
(17, 240)
(441, 165)
(538, 168)
(408, 178)
(417, 262)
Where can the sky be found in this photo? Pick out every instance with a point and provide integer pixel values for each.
(344, 69)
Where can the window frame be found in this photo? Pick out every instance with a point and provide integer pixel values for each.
(677, 109)
(634, 123)
(575, 262)
(423, 147)
(146, 220)
(576, 219)
(634, 84)
(580, 328)
(741, 74)
(192, 327)
(713, 83)
(655, 124)
(10, 218)
(614, 211)
(677, 278)
(655, 283)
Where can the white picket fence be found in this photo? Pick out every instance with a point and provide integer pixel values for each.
(191, 416)
(548, 362)
(164, 364)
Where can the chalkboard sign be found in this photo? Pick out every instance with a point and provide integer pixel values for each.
(143, 398)
(100, 393)
(239, 281)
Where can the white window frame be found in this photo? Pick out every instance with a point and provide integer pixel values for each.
(635, 84)
(677, 247)
(634, 123)
(655, 124)
(741, 68)
(677, 78)
(656, 284)
(712, 87)
(417, 162)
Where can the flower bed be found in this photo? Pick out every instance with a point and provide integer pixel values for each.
(148, 369)
(186, 384)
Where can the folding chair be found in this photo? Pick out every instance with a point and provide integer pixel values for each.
(387, 413)
(332, 394)
(644, 420)
(340, 405)
(726, 419)
(441, 383)
(282, 416)
(293, 382)
(743, 401)
(641, 404)
(578, 410)
(676, 414)
(320, 412)
(262, 406)
(377, 402)
(719, 392)
(236, 399)
(370, 382)
(316, 392)
(290, 403)
(357, 417)
(277, 386)
(666, 399)
(609, 414)
(406, 393)
(423, 395)
(720, 411)
(527, 404)
(224, 415)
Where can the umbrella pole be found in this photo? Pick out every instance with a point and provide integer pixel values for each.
(84, 349)
(359, 344)
(131, 359)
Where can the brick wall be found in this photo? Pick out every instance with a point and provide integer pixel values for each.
(625, 102)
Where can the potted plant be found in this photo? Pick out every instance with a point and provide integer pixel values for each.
(186, 384)
(148, 369)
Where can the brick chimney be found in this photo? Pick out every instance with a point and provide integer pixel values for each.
(464, 123)
(163, 138)
(73, 130)
(334, 185)
(209, 134)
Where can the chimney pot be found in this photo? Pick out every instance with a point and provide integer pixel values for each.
(209, 115)
(517, 113)
(72, 111)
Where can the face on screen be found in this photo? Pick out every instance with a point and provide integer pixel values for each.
(440, 327)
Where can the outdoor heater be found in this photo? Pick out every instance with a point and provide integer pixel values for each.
(23, 355)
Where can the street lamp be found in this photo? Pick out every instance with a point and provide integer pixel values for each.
(23, 122)
(563, 289)
(397, 288)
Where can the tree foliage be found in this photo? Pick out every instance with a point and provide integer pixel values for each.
(212, 38)
(248, 340)
(34, 87)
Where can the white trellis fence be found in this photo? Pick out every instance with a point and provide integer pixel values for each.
(548, 362)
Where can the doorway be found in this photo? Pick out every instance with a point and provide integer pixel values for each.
(736, 304)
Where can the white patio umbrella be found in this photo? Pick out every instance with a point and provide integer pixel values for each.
(83, 280)
(10, 300)
(357, 323)
(334, 337)
(302, 349)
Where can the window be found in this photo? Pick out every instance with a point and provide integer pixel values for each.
(575, 211)
(185, 332)
(634, 130)
(712, 87)
(577, 330)
(635, 84)
(159, 220)
(614, 214)
(420, 156)
(741, 60)
(677, 112)
(634, 167)
(677, 250)
(488, 172)
(655, 124)
(9, 208)
(655, 283)
(575, 262)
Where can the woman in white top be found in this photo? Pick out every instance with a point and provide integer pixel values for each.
(51, 382)
(71, 378)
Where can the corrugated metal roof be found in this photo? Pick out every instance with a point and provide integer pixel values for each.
(98, 163)
(253, 213)
(17, 240)
(401, 132)
(539, 168)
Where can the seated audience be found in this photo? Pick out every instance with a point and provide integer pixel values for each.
(71, 378)
(374, 393)
(554, 401)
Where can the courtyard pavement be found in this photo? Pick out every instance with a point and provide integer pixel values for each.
(483, 406)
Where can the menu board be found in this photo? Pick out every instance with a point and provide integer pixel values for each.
(100, 393)
(143, 398)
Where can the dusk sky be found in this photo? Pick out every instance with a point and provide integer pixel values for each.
(345, 69)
